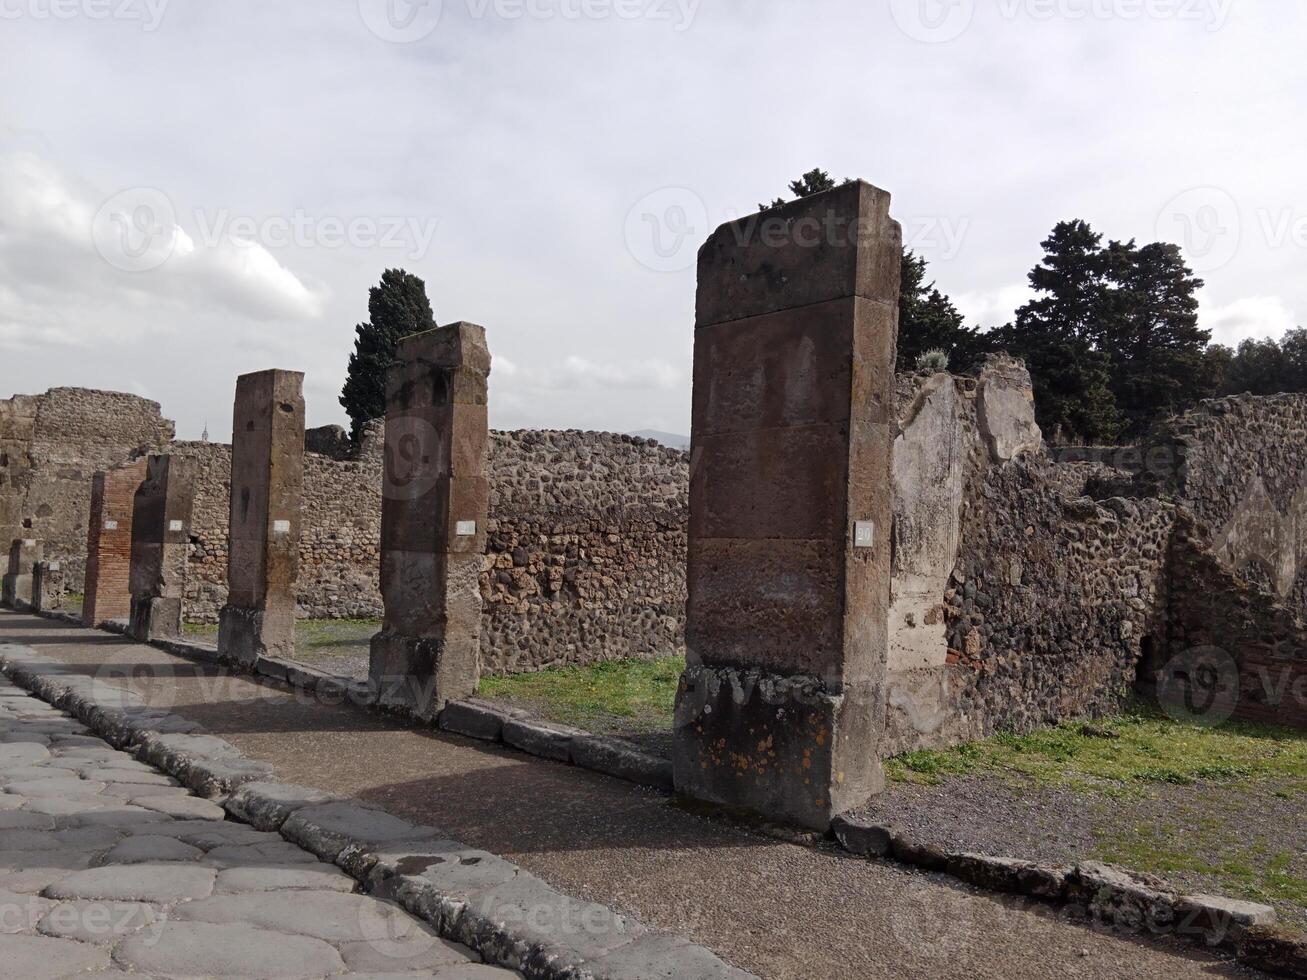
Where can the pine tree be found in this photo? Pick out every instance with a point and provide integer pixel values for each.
(396, 308)
(1057, 333)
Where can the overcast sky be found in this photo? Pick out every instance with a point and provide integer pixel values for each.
(194, 189)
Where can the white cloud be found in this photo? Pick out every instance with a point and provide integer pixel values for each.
(578, 373)
(1249, 318)
(992, 308)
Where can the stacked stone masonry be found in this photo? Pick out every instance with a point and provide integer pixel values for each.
(1027, 587)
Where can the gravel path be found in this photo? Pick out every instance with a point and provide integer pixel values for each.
(108, 867)
(1206, 837)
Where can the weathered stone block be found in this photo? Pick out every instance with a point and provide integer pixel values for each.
(434, 521)
(48, 586)
(16, 588)
(161, 517)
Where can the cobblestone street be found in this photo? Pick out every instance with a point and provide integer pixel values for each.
(109, 868)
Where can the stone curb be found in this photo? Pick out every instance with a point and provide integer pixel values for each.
(509, 916)
(1113, 896)
(471, 719)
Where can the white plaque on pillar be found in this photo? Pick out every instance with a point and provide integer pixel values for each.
(281, 527)
(111, 525)
(466, 529)
(54, 566)
(175, 525)
(864, 534)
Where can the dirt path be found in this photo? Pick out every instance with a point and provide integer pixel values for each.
(776, 909)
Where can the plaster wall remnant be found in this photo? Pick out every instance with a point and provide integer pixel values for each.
(267, 479)
(1007, 409)
(108, 596)
(435, 503)
(930, 456)
(781, 706)
(16, 587)
(161, 517)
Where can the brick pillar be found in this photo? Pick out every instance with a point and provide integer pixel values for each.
(161, 518)
(16, 587)
(782, 705)
(267, 482)
(109, 544)
(48, 586)
(433, 521)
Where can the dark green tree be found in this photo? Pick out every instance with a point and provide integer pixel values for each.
(1150, 334)
(1056, 333)
(396, 308)
(928, 320)
(1265, 367)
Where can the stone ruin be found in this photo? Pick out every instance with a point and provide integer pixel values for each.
(856, 564)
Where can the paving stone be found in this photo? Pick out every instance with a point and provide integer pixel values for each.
(324, 915)
(137, 883)
(38, 772)
(117, 816)
(59, 807)
(21, 912)
(661, 957)
(10, 801)
(25, 820)
(58, 786)
(44, 958)
(258, 855)
(419, 952)
(315, 876)
(144, 849)
(266, 805)
(215, 950)
(540, 738)
(328, 828)
(101, 923)
(30, 840)
(91, 837)
(183, 806)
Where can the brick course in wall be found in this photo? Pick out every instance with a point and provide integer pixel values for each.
(109, 544)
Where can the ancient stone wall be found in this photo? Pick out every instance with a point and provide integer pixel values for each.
(585, 558)
(1240, 465)
(51, 445)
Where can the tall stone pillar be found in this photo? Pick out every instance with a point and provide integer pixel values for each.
(161, 519)
(433, 521)
(267, 483)
(782, 704)
(16, 586)
(108, 594)
(48, 586)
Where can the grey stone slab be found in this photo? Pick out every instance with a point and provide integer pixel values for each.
(161, 883)
(329, 916)
(616, 758)
(116, 816)
(45, 958)
(258, 855)
(662, 957)
(182, 806)
(101, 923)
(25, 820)
(207, 949)
(55, 806)
(266, 805)
(328, 829)
(540, 738)
(302, 877)
(57, 786)
(144, 849)
(20, 912)
(473, 719)
(420, 952)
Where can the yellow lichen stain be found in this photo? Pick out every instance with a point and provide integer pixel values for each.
(821, 737)
(839, 777)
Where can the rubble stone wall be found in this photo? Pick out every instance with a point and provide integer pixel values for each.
(51, 445)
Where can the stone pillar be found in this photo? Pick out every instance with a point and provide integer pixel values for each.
(782, 705)
(48, 586)
(108, 594)
(267, 482)
(161, 518)
(16, 587)
(433, 521)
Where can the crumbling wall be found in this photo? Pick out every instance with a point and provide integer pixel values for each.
(1240, 465)
(585, 558)
(51, 445)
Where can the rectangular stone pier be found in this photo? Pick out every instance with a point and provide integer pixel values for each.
(17, 585)
(267, 482)
(782, 705)
(161, 519)
(48, 586)
(433, 521)
(108, 594)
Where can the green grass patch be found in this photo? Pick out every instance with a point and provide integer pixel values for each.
(1120, 754)
(642, 692)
